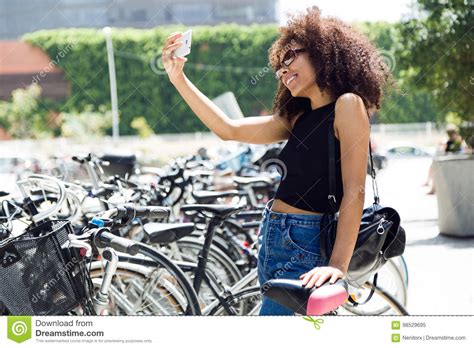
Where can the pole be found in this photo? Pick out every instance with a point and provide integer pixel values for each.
(113, 84)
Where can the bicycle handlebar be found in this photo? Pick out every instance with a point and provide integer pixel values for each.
(89, 158)
(131, 211)
(102, 237)
(105, 239)
(49, 182)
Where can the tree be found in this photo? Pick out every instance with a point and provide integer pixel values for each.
(406, 103)
(437, 53)
(25, 116)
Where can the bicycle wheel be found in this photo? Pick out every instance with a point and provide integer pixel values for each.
(396, 307)
(392, 280)
(146, 290)
(244, 302)
(403, 268)
(380, 296)
(218, 262)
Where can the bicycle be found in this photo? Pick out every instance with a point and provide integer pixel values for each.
(322, 300)
(93, 241)
(224, 245)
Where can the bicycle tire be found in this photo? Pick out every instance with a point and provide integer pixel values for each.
(181, 283)
(396, 288)
(391, 301)
(403, 268)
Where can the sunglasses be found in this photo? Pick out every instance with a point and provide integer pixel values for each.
(288, 58)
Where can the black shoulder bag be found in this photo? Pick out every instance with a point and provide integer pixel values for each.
(380, 235)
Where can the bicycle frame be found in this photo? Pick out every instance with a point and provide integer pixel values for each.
(240, 285)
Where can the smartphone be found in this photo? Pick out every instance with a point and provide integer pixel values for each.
(185, 48)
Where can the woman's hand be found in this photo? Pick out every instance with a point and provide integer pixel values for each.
(173, 65)
(318, 275)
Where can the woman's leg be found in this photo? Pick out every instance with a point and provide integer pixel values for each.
(288, 248)
(269, 307)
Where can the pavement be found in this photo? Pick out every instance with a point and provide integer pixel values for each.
(441, 268)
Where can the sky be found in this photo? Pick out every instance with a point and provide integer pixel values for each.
(352, 10)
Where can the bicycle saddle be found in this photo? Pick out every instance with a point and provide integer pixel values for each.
(165, 233)
(206, 197)
(249, 214)
(220, 210)
(244, 180)
(307, 301)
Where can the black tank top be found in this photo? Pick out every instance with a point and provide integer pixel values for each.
(305, 183)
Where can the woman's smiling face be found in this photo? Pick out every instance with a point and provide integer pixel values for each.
(296, 72)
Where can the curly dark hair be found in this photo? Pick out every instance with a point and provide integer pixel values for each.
(345, 61)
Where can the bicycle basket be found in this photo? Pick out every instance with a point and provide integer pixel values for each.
(41, 275)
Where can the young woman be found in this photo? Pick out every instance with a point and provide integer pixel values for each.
(329, 76)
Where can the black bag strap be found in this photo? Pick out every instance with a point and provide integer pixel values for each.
(372, 290)
(332, 169)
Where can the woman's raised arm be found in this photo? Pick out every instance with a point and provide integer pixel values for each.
(255, 130)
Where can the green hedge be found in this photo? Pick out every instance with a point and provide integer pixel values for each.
(223, 58)
(239, 52)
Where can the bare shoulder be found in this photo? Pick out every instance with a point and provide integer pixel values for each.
(350, 113)
(349, 100)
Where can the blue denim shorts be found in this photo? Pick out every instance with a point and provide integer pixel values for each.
(288, 247)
